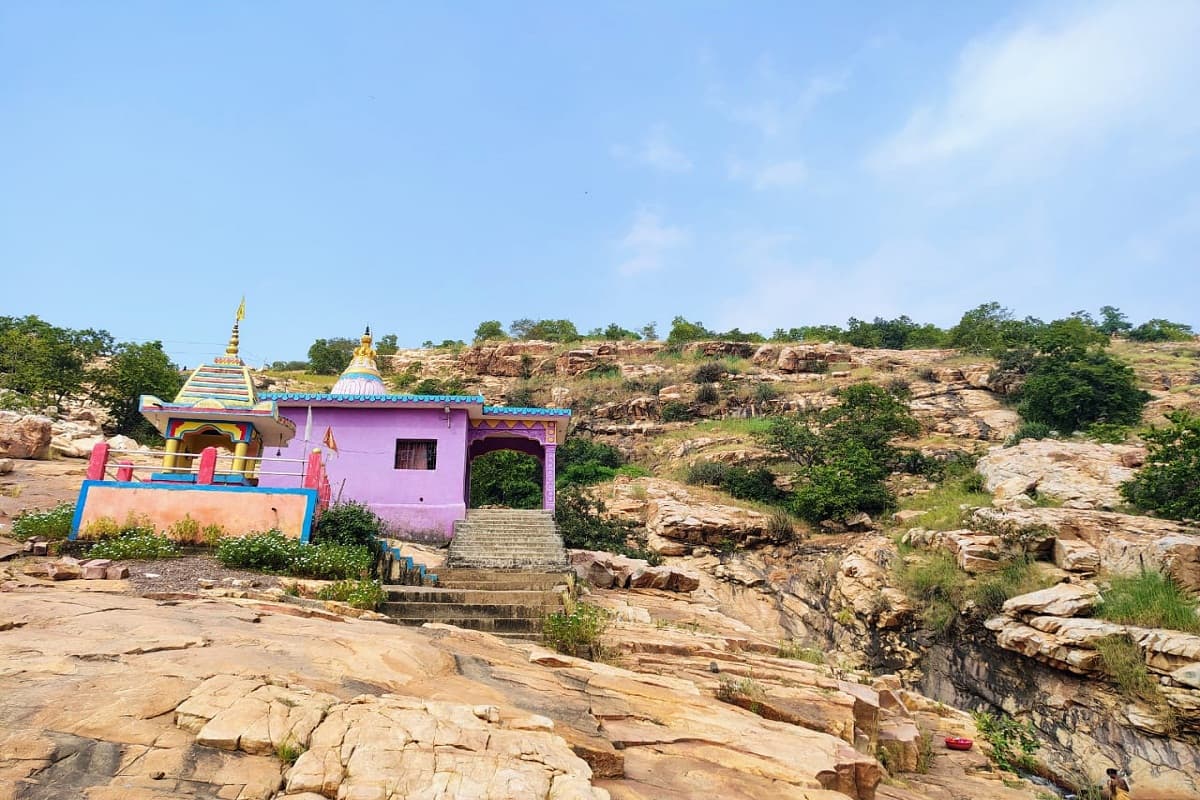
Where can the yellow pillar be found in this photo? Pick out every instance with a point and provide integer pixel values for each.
(239, 457)
(172, 449)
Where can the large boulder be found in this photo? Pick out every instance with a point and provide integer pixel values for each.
(24, 436)
(1060, 600)
(963, 412)
(1081, 474)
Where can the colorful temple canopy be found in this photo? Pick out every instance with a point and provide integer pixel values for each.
(362, 376)
(221, 394)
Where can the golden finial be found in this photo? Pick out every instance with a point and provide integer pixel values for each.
(364, 349)
(231, 349)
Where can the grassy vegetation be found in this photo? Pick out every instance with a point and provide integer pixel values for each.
(300, 376)
(53, 524)
(1124, 663)
(577, 632)
(798, 652)
(1013, 743)
(937, 584)
(1017, 576)
(368, 595)
(139, 543)
(943, 505)
(1150, 600)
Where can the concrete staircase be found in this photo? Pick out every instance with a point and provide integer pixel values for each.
(507, 604)
(505, 538)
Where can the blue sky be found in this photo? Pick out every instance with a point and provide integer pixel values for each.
(424, 166)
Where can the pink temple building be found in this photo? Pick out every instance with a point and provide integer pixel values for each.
(409, 457)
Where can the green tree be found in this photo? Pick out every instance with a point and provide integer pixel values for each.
(649, 331)
(331, 356)
(1169, 483)
(1161, 330)
(45, 362)
(844, 452)
(387, 345)
(506, 478)
(490, 331)
(135, 370)
(684, 331)
(1070, 389)
(824, 333)
(1113, 321)
(615, 332)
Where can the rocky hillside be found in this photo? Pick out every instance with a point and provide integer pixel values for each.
(982, 595)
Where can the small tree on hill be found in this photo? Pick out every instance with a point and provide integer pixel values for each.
(134, 370)
(1070, 389)
(1161, 330)
(331, 356)
(1113, 321)
(684, 331)
(1169, 483)
(490, 330)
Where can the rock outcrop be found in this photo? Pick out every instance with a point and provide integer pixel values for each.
(24, 436)
(1081, 474)
(678, 520)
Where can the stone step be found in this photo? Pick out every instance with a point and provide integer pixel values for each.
(430, 612)
(426, 594)
(525, 626)
(484, 586)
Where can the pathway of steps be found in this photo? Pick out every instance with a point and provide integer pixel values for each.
(504, 538)
(506, 570)
(509, 604)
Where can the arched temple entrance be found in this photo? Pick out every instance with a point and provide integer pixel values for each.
(535, 441)
(505, 478)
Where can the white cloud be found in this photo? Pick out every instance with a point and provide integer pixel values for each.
(1025, 96)
(783, 106)
(777, 175)
(648, 242)
(655, 151)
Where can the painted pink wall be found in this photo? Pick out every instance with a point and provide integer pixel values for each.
(364, 468)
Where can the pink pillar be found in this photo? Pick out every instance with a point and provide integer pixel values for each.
(548, 476)
(125, 471)
(98, 462)
(208, 465)
(312, 471)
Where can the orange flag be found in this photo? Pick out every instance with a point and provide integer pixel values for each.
(328, 440)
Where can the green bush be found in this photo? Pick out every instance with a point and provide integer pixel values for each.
(368, 595)
(708, 394)
(578, 632)
(1069, 390)
(52, 524)
(757, 484)
(764, 392)
(1107, 432)
(1149, 600)
(349, 523)
(706, 473)
(138, 543)
(935, 582)
(1169, 483)
(583, 526)
(676, 411)
(1161, 330)
(273, 552)
(709, 372)
(1013, 743)
(843, 487)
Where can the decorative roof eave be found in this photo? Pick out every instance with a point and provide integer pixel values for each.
(513, 411)
(265, 418)
(473, 404)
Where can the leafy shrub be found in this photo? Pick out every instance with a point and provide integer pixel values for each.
(368, 595)
(1169, 483)
(676, 411)
(1013, 743)
(709, 372)
(349, 523)
(184, 530)
(1150, 600)
(273, 552)
(633, 471)
(757, 483)
(706, 473)
(137, 543)
(52, 524)
(707, 393)
(101, 528)
(764, 392)
(586, 474)
(974, 482)
(582, 462)
(1108, 432)
(583, 526)
(842, 488)
(1161, 330)
(1070, 390)
(577, 632)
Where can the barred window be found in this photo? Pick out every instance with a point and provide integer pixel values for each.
(416, 454)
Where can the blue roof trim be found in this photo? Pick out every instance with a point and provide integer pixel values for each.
(375, 398)
(535, 412)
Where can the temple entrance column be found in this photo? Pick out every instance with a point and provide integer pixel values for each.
(548, 476)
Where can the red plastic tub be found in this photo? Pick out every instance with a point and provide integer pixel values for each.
(958, 743)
